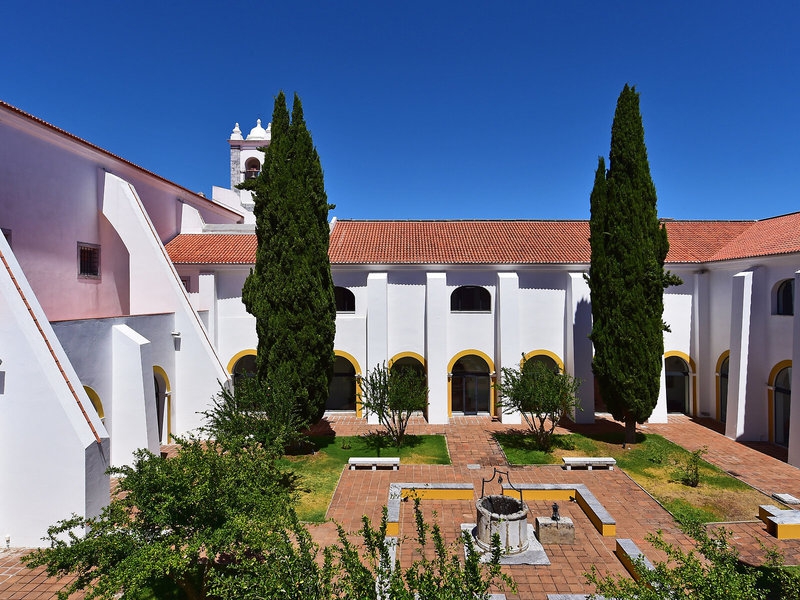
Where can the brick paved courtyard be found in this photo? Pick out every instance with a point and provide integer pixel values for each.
(474, 453)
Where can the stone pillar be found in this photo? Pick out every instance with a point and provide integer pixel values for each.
(377, 326)
(437, 310)
(507, 334)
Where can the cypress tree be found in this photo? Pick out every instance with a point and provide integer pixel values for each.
(626, 276)
(290, 289)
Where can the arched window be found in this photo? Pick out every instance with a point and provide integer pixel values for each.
(160, 384)
(784, 297)
(345, 300)
(96, 402)
(783, 400)
(252, 168)
(470, 298)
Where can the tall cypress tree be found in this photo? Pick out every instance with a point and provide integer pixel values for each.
(626, 276)
(290, 289)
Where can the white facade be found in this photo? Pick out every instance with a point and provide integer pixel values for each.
(96, 365)
(102, 352)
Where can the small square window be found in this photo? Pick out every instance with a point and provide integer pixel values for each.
(88, 260)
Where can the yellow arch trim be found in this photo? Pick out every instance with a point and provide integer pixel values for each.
(352, 360)
(692, 375)
(720, 360)
(232, 362)
(773, 374)
(413, 355)
(451, 364)
(543, 352)
(168, 396)
(95, 400)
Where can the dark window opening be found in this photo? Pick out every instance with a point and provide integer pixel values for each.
(252, 168)
(88, 260)
(470, 298)
(785, 298)
(345, 300)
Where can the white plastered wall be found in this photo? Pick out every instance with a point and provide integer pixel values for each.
(156, 287)
(54, 450)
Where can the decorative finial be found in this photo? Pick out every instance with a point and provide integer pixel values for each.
(236, 134)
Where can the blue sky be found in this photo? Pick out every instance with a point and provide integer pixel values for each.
(432, 110)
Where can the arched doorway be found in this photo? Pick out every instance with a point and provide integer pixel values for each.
(162, 393)
(722, 387)
(782, 399)
(342, 392)
(548, 359)
(409, 362)
(244, 367)
(677, 376)
(471, 386)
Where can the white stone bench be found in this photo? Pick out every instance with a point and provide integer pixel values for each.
(374, 462)
(589, 462)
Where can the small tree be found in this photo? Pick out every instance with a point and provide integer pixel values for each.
(542, 395)
(393, 395)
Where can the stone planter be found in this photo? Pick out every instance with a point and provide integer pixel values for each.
(505, 516)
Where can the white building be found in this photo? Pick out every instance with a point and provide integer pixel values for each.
(120, 297)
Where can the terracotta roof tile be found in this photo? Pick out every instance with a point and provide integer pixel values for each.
(212, 248)
(500, 242)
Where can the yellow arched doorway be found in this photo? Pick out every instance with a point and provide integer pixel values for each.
(470, 383)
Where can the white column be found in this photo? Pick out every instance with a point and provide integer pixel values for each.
(437, 310)
(377, 326)
(794, 413)
(507, 334)
(747, 393)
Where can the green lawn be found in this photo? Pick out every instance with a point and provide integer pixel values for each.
(656, 464)
(321, 465)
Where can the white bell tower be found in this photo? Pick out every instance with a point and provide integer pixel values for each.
(247, 159)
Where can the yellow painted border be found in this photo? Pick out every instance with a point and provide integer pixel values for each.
(168, 396)
(94, 398)
(438, 493)
(692, 375)
(352, 360)
(543, 352)
(718, 387)
(413, 355)
(232, 362)
(489, 362)
(773, 374)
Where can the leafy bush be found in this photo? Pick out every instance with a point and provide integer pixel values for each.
(541, 395)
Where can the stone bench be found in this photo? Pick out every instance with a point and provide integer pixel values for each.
(782, 524)
(591, 506)
(628, 554)
(374, 462)
(589, 462)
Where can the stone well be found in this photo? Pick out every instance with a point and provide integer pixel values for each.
(506, 516)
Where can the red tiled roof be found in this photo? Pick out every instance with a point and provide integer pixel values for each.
(500, 242)
(778, 235)
(212, 248)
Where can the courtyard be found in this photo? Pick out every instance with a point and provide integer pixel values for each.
(474, 454)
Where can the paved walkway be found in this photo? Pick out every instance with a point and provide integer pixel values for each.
(474, 452)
